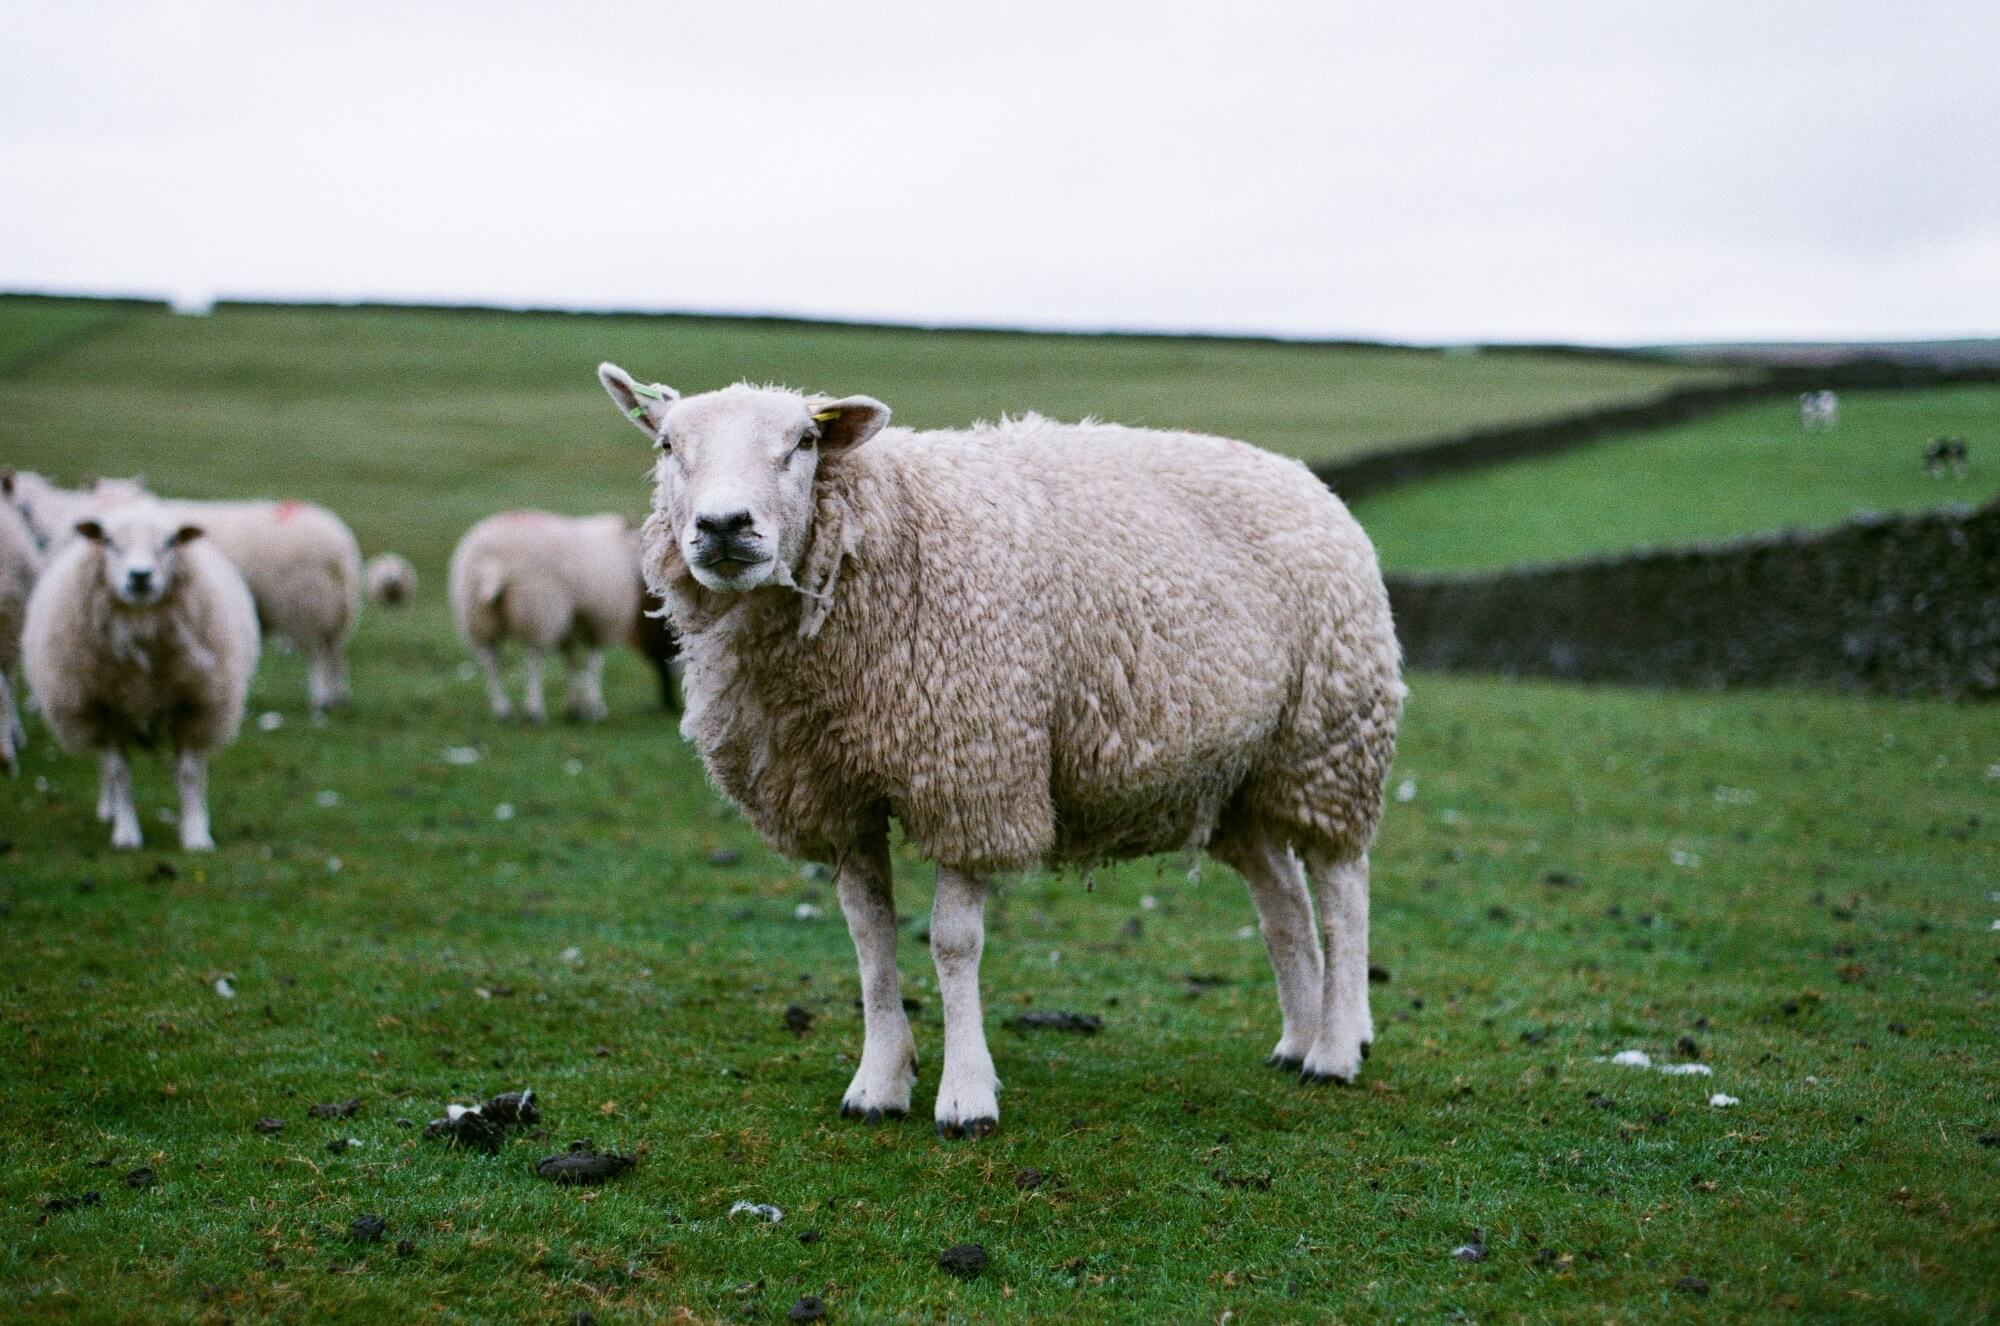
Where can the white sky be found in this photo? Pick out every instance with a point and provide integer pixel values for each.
(1579, 171)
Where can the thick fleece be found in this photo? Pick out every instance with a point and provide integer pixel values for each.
(550, 583)
(20, 564)
(1037, 642)
(110, 674)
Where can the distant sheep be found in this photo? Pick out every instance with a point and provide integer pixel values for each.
(140, 633)
(1027, 642)
(20, 564)
(300, 561)
(1943, 454)
(392, 581)
(1818, 411)
(551, 583)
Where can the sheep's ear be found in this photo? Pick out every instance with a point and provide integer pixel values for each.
(646, 406)
(185, 534)
(91, 530)
(7, 480)
(848, 422)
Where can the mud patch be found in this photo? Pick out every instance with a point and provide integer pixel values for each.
(1083, 1024)
(580, 1165)
(964, 1260)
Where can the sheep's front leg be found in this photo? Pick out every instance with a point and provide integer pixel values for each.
(320, 687)
(12, 735)
(968, 1100)
(1340, 891)
(586, 688)
(496, 690)
(191, 776)
(115, 794)
(881, 1086)
(533, 666)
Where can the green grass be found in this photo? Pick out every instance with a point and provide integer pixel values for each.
(1719, 862)
(1736, 473)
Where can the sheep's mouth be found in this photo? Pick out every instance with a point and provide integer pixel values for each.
(730, 566)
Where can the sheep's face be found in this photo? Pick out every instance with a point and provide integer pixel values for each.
(141, 548)
(734, 477)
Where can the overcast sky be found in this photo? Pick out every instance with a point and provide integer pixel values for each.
(1578, 171)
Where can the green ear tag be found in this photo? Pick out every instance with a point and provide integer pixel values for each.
(637, 412)
(650, 393)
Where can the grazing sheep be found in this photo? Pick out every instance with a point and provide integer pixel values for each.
(392, 581)
(300, 561)
(140, 633)
(551, 582)
(20, 563)
(653, 636)
(1818, 410)
(1027, 642)
(1946, 453)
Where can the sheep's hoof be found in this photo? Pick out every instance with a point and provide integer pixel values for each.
(954, 1129)
(1365, 1047)
(1321, 1079)
(870, 1114)
(1290, 1063)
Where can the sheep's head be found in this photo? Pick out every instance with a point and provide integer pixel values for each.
(733, 483)
(141, 546)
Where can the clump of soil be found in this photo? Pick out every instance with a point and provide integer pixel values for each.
(484, 1127)
(339, 1109)
(1029, 1179)
(367, 1228)
(964, 1260)
(808, 1308)
(141, 1177)
(1084, 1024)
(513, 1109)
(68, 1202)
(798, 1019)
(269, 1126)
(1257, 1182)
(582, 1165)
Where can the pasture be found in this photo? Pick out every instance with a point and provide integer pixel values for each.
(1743, 471)
(1801, 885)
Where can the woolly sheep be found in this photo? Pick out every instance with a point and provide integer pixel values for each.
(140, 632)
(551, 582)
(392, 581)
(1029, 642)
(20, 563)
(300, 561)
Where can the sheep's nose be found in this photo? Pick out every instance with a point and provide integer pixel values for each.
(735, 522)
(139, 578)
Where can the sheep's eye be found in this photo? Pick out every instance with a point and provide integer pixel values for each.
(807, 441)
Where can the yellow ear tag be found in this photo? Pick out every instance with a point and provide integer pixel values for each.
(825, 415)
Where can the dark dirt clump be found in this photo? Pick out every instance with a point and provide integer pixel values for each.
(1692, 1284)
(367, 1228)
(1085, 1024)
(339, 1109)
(581, 1165)
(1379, 975)
(1687, 1047)
(1029, 1178)
(808, 1308)
(68, 1202)
(513, 1109)
(810, 1236)
(405, 1248)
(1256, 1182)
(963, 1260)
(269, 1126)
(798, 1019)
(141, 1177)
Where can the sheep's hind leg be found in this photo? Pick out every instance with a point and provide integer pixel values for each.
(968, 1100)
(12, 735)
(321, 690)
(533, 667)
(496, 690)
(1277, 885)
(1340, 891)
(191, 776)
(881, 1086)
(116, 792)
(586, 688)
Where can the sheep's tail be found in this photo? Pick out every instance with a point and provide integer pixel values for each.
(489, 582)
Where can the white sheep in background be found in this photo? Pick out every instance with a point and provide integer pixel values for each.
(551, 583)
(1818, 411)
(1027, 642)
(139, 633)
(51, 512)
(20, 564)
(392, 581)
(300, 561)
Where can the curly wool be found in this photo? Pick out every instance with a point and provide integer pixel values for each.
(1038, 642)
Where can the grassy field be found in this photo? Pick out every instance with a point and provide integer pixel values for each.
(1740, 472)
(1572, 873)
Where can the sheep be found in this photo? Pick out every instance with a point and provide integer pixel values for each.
(20, 564)
(392, 581)
(140, 632)
(551, 582)
(1030, 643)
(1818, 410)
(301, 562)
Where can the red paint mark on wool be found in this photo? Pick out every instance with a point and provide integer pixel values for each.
(284, 511)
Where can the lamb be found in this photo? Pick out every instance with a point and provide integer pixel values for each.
(140, 632)
(392, 581)
(551, 582)
(1030, 643)
(20, 564)
(300, 561)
